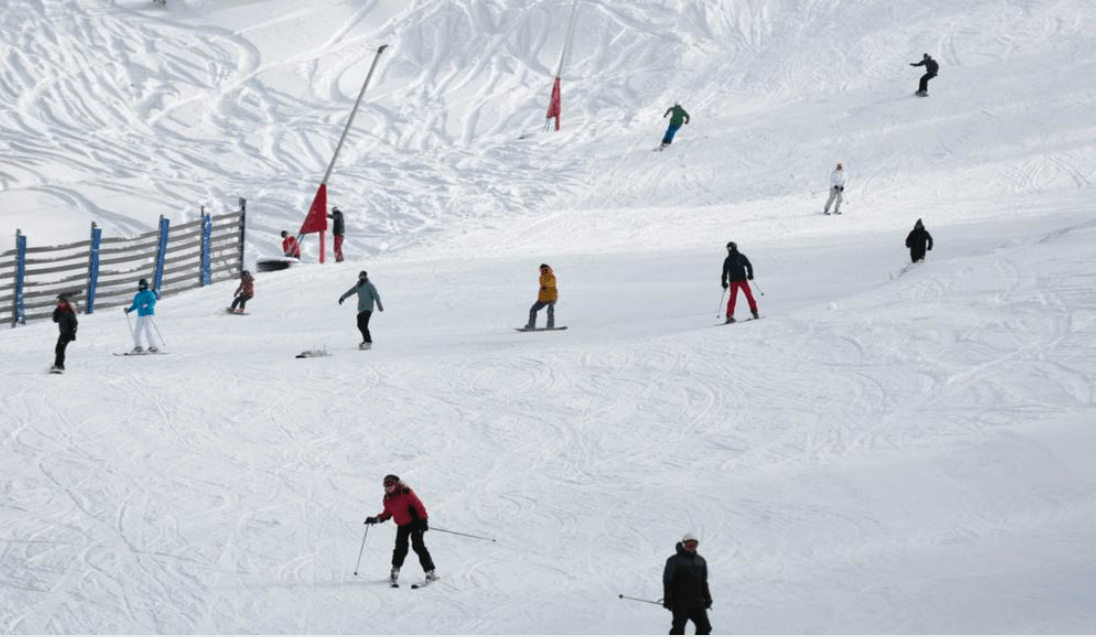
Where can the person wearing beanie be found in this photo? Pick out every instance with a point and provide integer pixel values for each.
(931, 67)
(546, 296)
(737, 269)
(918, 241)
(685, 590)
(367, 296)
(338, 229)
(403, 506)
(64, 315)
(290, 246)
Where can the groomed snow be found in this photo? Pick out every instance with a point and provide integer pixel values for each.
(891, 450)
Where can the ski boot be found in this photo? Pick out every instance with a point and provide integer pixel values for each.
(137, 350)
(394, 576)
(729, 320)
(431, 576)
(755, 315)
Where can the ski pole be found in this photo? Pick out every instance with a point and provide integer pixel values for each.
(641, 600)
(720, 307)
(129, 322)
(759, 289)
(358, 564)
(157, 328)
(482, 538)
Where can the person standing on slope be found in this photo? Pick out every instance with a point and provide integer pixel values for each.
(290, 246)
(685, 588)
(737, 269)
(244, 292)
(931, 67)
(918, 241)
(338, 229)
(403, 506)
(679, 117)
(367, 296)
(64, 315)
(837, 190)
(546, 296)
(144, 302)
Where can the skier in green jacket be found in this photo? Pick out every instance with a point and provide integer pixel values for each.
(680, 117)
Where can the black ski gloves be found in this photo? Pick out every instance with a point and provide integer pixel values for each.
(372, 520)
(668, 603)
(725, 285)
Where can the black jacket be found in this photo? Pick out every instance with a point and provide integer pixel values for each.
(337, 227)
(65, 318)
(736, 268)
(931, 67)
(685, 581)
(918, 239)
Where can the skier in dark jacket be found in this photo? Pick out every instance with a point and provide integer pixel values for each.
(404, 507)
(64, 315)
(918, 241)
(685, 588)
(338, 229)
(736, 270)
(931, 67)
(679, 117)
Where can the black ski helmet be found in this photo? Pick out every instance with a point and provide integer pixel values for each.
(363, 275)
(391, 479)
(246, 273)
(142, 285)
(732, 246)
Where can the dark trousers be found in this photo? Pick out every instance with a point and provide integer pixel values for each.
(535, 308)
(671, 131)
(241, 300)
(417, 544)
(917, 254)
(59, 351)
(698, 615)
(363, 325)
(923, 87)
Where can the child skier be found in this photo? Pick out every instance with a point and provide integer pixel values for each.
(244, 292)
(144, 302)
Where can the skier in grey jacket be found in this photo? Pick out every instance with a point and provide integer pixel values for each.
(367, 295)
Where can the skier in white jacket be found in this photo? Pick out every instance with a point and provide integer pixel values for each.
(837, 188)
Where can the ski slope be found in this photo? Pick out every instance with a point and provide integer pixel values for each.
(891, 450)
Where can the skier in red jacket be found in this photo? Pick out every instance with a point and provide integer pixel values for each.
(404, 507)
(290, 247)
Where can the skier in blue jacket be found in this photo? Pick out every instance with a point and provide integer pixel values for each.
(367, 295)
(144, 302)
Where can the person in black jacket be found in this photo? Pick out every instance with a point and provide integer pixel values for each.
(737, 269)
(931, 67)
(918, 241)
(64, 315)
(338, 229)
(685, 588)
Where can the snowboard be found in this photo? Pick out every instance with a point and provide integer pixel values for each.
(307, 354)
(540, 329)
(54, 370)
(235, 312)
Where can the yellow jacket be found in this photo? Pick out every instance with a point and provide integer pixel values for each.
(548, 290)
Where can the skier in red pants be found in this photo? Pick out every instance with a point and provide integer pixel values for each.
(737, 269)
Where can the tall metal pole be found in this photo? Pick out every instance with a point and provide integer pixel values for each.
(354, 112)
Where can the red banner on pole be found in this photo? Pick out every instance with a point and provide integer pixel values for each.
(555, 106)
(316, 221)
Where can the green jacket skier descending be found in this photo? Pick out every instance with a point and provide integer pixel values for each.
(680, 116)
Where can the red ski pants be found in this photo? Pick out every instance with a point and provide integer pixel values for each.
(338, 247)
(735, 285)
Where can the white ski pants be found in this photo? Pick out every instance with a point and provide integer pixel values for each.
(144, 325)
(835, 194)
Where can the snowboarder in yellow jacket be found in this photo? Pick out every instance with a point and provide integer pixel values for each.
(546, 296)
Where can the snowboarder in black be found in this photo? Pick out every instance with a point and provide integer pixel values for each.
(685, 588)
(64, 315)
(736, 270)
(918, 241)
(931, 67)
(338, 229)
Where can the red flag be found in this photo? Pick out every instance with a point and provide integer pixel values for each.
(316, 221)
(555, 106)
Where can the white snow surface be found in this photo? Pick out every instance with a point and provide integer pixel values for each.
(892, 449)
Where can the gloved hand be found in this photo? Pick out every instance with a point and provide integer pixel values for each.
(667, 604)
(708, 604)
(372, 520)
(750, 277)
(126, 310)
(340, 301)
(424, 526)
(841, 188)
(725, 286)
(380, 308)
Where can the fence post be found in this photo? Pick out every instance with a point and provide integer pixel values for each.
(243, 229)
(20, 314)
(93, 267)
(207, 230)
(158, 279)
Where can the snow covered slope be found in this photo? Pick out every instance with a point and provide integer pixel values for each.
(892, 449)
